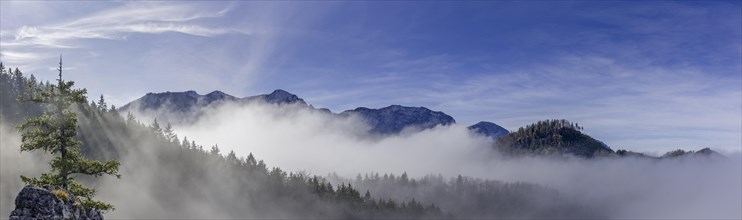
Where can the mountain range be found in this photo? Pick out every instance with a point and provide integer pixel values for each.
(549, 137)
(390, 120)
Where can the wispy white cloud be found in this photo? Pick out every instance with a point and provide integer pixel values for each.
(117, 23)
(18, 57)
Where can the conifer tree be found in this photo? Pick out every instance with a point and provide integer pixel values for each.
(54, 132)
(102, 104)
(186, 144)
(169, 133)
(130, 120)
(156, 127)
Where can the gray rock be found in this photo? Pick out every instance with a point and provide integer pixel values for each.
(40, 203)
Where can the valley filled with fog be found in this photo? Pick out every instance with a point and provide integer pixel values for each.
(300, 139)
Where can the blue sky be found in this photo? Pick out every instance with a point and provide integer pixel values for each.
(649, 76)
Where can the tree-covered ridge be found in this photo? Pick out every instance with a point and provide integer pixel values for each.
(552, 137)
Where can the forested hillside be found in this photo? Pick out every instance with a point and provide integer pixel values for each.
(552, 137)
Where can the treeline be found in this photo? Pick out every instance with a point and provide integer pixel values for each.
(184, 180)
(473, 198)
(14, 84)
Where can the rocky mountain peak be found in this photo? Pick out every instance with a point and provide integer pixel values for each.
(282, 96)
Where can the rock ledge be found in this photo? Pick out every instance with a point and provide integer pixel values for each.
(40, 203)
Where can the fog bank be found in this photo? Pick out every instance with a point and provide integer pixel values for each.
(296, 138)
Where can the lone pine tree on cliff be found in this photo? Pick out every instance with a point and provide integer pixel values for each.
(54, 132)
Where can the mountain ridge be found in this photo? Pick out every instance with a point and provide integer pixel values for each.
(388, 120)
(550, 137)
(395, 118)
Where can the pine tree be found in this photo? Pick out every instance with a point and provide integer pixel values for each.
(215, 150)
(169, 133)
(186, 144)
(156, 127)
(54, 132)
(102, 104)
(130, 120)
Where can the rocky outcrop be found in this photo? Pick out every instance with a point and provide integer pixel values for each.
(42, 203)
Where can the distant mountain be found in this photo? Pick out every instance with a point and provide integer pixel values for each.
(552, 137)
(705, 152)
(179, 102)
(489, 129)
(190, 100)
(187, 106)
(393, 119)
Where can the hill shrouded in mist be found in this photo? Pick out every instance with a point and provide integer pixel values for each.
(552, 137)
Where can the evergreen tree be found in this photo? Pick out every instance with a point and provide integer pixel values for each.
(215, 150)
(54, 132)
(156, 127)
(102, 104)
(130, 120)
(170, 133)
(186, 144)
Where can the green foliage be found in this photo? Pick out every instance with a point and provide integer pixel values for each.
(60, 194)
(55, 131)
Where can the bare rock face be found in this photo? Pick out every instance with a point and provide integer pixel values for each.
(40, 203)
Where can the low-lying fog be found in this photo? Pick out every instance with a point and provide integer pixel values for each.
(296, 139)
